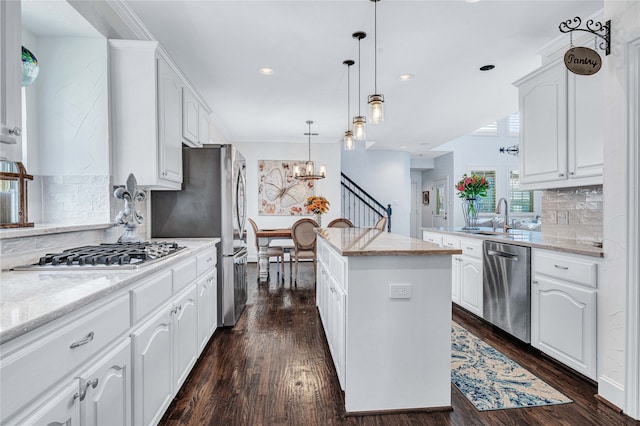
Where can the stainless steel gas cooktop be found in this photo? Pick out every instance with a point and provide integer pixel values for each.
(105, 256)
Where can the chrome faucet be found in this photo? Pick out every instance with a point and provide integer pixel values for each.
(506, 226)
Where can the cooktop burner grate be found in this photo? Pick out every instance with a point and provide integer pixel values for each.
(113, 256)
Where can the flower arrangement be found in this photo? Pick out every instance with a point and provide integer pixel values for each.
(317, 205)
(472, 187)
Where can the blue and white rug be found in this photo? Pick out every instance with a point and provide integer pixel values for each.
(492, 381)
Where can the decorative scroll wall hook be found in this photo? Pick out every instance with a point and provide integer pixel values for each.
(593, 27)
(513, 150)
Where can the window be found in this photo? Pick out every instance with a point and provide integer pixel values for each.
(490, 129)
(519, 201)
(489, 202)
(514, 124)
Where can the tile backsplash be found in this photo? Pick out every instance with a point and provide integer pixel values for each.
(574, 213)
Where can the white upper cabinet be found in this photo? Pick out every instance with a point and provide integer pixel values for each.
(561, 136)
(10, 75)
(146, 115)
(195, 120)
(190, 118)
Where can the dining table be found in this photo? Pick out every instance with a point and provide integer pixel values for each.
(265, 236)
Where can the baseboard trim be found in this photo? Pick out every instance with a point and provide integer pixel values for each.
(610, 391)
(608, 403)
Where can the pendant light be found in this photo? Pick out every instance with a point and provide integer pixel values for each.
(348, 135)
(359, 121)
(376, 101)
(308, 173)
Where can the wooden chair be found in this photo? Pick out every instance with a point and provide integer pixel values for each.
(341, 222)
(272, 251)
(381, 224)
(304, 242)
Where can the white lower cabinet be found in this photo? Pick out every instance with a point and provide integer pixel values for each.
(563, 309)
(207, 308)
(118, 361)
(185, 336)
(107, 388)
(466, 274)
(152, 362)
(62, 408)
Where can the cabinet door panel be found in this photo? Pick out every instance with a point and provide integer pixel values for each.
(152, 369)
(203, 127)
(185, 342)
(169, 113)
(471, 285)
(455, 278)
(10, 101)
(564, 323)
(190, 116)
(543, 126)
(586, 134)
(109, 403)
(63, 409)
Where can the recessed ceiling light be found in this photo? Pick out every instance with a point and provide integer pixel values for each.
(487, 67)
(406, 77)
(265, 71)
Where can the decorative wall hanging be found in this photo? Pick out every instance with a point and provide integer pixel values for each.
(582, 60)
(279, 192)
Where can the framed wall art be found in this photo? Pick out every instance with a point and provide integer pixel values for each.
(279, 193)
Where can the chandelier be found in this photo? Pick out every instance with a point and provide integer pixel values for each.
(307, 173)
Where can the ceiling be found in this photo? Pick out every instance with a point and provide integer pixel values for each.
(220, 45)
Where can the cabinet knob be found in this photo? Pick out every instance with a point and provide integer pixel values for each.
(560, 174)
(534, 282)
(16, 131)
(572, 173)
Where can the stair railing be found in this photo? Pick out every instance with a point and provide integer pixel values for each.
(360, 207)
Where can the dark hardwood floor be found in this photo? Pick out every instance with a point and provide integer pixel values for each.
(274, 368)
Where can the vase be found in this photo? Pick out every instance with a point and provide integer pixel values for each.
(319, 219)
(470, 210)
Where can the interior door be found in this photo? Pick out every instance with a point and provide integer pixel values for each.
(440, 211)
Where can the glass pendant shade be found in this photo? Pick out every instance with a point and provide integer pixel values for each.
(359, 132)
(376, 109)
(348, 141)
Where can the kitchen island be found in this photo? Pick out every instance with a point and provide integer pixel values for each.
(385, 304)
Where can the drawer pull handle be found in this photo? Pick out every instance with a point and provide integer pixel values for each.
(561, 267)
(209, 259)
(84, 341)
(470, 248)
(83, 393)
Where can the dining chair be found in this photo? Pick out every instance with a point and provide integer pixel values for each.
(381, 223)
(304, 242)
(272, 251)
(341, 222)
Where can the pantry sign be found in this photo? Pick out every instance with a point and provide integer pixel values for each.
(582, 61)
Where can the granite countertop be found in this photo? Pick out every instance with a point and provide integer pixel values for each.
(527, 239)
(31, 299)
(45, 229)
(373, 242)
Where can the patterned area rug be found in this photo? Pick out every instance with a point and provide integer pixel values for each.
(490, 380)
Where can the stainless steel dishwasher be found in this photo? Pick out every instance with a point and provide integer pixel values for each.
(506, 281)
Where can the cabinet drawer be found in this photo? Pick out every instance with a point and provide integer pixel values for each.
(148, 296)
(432, 237)
(448, 241)
(206, 261)
(336, 266)
(184, 274)
(44, 356)
(472, 248)
(572, 269)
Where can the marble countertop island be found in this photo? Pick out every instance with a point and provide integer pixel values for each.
(30, 299)
(374, 242)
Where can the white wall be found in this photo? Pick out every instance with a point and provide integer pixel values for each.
(385, 175)
(328, 154)
(619, 191)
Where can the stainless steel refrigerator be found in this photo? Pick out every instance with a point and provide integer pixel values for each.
(212, 203)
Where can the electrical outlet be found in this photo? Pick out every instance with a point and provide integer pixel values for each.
(399, 291)
(563, 217)
(553, 217)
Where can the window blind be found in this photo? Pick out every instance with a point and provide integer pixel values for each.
(519, 201)
(488, 204)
